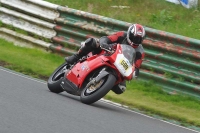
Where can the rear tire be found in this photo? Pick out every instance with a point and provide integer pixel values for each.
(108, 83)
(54, 83)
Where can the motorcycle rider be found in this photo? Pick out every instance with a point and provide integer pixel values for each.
(134, 37)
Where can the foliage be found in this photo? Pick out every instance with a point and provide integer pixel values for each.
(162, 18)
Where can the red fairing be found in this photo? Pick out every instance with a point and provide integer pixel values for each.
(80, 71)
(115, 36)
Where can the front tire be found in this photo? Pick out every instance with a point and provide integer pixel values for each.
(107, 84)
(55, 79)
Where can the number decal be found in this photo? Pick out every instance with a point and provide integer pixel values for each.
(124, 64)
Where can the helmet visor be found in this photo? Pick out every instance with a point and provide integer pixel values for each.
(136, 40)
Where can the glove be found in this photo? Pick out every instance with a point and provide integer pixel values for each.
(106, 47)
(135, 73)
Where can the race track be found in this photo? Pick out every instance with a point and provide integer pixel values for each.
(27, 106)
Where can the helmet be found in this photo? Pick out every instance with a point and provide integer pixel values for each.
(135, 35)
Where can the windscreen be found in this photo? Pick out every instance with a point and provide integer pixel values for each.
(129, 52)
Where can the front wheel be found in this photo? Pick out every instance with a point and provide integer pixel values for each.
(55, 79)
(98, 90)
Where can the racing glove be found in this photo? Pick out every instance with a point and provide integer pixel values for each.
(135, 73)
(106, 46)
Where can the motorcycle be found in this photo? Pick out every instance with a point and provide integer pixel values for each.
(92, 77)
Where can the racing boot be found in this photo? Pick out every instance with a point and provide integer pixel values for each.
(120, 88)
(72, 59)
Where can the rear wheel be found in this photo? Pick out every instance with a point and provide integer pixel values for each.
(55, 79)
(96, 91)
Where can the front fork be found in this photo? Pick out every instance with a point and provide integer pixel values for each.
(95, 80)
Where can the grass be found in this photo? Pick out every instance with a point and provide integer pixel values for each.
(41, 64)
(157, 14)
(28, 61)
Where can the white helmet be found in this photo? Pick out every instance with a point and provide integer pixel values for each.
(135, 34)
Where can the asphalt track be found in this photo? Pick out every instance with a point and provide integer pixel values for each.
(27, 106)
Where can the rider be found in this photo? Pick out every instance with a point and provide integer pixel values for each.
(134, 37)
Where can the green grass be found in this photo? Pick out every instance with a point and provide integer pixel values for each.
(149, 97)
(157, 14)
(30, 61)
(145, 96)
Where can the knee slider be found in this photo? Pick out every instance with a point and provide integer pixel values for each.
(88, 41)
(91, 42)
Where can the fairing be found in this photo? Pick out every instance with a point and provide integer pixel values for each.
(82, 69)
(120, 61)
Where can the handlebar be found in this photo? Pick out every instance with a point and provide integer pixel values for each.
(108, 47)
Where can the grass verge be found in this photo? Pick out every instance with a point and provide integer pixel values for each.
(144, 96)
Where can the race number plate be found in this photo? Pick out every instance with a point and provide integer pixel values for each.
(123, 65)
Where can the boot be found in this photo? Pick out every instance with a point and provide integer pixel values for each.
(120, 88)
(72, 59)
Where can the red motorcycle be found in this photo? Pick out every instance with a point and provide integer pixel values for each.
(92, 77)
